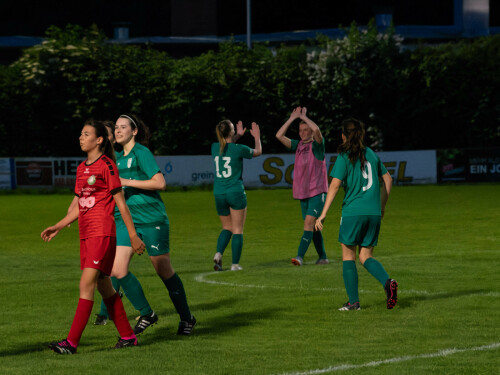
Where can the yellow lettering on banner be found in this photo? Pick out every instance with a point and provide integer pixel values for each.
(388, 165)
(269, 168)
(401, 173)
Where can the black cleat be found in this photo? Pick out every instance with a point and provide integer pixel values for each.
(144, 322)
(101, 320)
(123, 343)
(391, 289)
(347, 306)
(62, 347)
(185, 327)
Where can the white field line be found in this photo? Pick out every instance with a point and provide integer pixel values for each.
(441, 353)
(202, 278)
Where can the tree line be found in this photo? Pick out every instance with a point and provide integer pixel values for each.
(423, 97)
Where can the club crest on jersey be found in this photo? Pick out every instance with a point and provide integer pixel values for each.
(91, 180)
(129, 163)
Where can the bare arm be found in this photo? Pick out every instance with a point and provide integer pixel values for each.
(50, 232)
(385, 191)
(255, 131)
(280, 135)
(332, 192)
(157, 182)
(73, 204)
(137, 244)
(240, 131)
(318, 137)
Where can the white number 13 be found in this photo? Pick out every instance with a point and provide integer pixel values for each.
(367, 174)
(227, 172)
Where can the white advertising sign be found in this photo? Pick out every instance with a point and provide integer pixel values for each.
(276, 170)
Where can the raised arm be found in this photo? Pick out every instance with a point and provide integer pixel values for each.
(240, 131)
(385, 191)
(280, 135)
(255, 131)
(318, 137)
(157, 182)
(332, 192)
(137, 244)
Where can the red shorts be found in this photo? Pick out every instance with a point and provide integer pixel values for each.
(98, 253)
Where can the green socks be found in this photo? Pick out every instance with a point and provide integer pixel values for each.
(178, 296)
(319, 244)
(304, 243)
(350, 274)
(133, 290)
(223, 240)
(377, 270)
(116, 286)
(237, 247)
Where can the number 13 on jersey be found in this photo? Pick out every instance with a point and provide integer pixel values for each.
(226, 169)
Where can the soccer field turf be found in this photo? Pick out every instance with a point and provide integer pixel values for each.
(440, 242)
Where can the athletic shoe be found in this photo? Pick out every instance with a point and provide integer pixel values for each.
(124, 343)
(144, 322)
(62, 347)
(236, 267)
(297, 261)
(185, 328)
(322, 261)
(391, 290)
(218, 261)
(101, 320)
(347, 306)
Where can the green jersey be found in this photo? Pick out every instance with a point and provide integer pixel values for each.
(146, 206)
(229, 167)
(362, 189)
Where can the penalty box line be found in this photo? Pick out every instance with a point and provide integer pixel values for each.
(440, 353)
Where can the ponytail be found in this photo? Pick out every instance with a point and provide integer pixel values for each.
(222, 130)
(354, 133)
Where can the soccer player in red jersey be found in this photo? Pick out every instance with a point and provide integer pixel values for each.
(98, 189)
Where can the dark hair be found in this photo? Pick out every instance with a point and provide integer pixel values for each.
(100, 131)
(223, 129)
(142, 135)
(354, 132)
(111, 126)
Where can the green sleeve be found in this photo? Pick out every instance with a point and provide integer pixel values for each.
(339, 169)
(318, 149)
(294, 145)
(147, 163)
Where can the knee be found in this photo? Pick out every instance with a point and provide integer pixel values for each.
(363, 258)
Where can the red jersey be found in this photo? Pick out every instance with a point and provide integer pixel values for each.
(94, 184)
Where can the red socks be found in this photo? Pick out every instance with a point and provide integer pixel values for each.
(82, 315)
(117, 314)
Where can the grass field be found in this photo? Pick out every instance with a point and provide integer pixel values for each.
(440, 242)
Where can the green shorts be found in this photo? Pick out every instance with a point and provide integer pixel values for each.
(236, 201)
(360, 230)
(155, 237)
(312, 206)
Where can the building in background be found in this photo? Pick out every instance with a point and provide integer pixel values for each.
(189, 27)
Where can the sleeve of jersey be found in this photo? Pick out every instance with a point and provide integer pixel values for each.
(110, 173)
(147, 163)
(246, 152)
(383, 169)
(339, 169)
(294, 145)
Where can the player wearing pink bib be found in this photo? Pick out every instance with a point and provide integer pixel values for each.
(98, 188)
(310, 182)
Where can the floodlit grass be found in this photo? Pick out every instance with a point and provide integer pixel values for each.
(440, 242)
